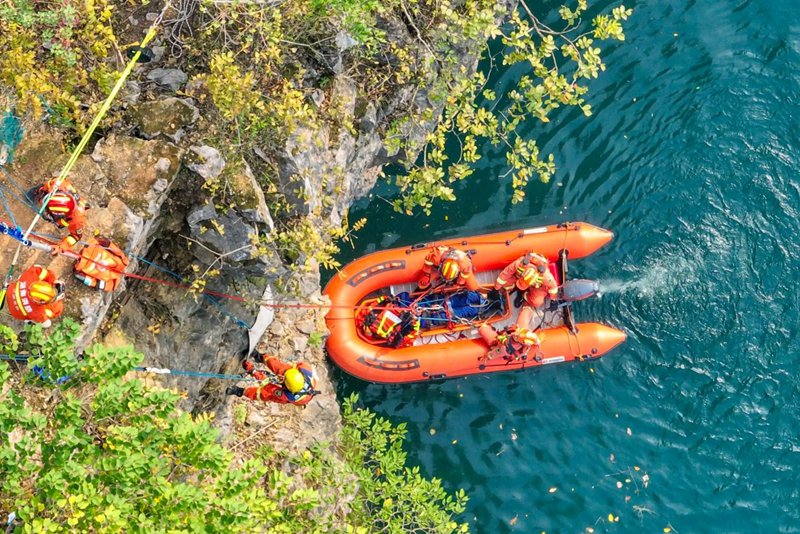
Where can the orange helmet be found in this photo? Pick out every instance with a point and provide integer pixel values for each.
(42, 292)
(450, 269)
(531, 276)
(527, 337)
(61, 204)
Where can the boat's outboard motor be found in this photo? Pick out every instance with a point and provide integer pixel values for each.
(573, 290)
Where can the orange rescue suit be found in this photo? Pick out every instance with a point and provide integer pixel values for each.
(430, 271)
(101, 264)
(21, 307)
(268, 392)
(511, 277)
(73, 219)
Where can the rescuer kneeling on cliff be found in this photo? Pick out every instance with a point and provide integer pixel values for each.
(64, 208)
(36, 296)
(297, 382)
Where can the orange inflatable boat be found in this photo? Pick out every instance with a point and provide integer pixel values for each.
(456, 349)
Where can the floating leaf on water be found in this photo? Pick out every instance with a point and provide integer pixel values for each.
(590, 530)
(513, 520)
(667, 529)
(616, 519)
(612, 458)
(591, 369)
(619, 485)
(636, 468)
(627, 481)
(454, 442)
(553, 489)
(461, 395)
(513, 436)
(432, 431)
(500, 426)
(610, 518)
(628, 431)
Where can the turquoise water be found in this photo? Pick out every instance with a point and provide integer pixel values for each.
(690, 158)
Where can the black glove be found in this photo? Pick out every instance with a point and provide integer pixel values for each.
(493, 295)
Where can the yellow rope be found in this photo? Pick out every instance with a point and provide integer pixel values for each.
(84, 141)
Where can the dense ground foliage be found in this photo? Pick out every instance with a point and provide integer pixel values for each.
(105, 452)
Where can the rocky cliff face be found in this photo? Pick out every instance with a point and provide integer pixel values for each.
(147, 192)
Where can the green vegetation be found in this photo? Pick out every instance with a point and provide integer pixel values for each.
(58, 55)
(265, 74)
(104, 452)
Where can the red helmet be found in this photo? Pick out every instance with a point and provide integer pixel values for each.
(61, 204)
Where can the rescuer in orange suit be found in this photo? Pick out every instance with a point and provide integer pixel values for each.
(529, 274)
(297, 385)
(513, 343)
(36, 296)
(101, 264)
(65, 209)
(452, 266)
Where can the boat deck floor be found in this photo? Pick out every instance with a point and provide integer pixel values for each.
(540, 319)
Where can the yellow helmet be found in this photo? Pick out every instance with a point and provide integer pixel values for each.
(294, 380)
(450, 269)
(42, 292)
(527, 337)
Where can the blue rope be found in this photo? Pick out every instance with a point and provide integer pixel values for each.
(209, 298)
(27, 200)
(8, 210)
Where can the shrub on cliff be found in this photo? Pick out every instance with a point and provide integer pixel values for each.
(105, 453)
(56, 55)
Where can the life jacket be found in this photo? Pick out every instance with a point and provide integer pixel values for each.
(21, 306)
(101, 264)
(398, 326)
(308, 388)
(513, 274)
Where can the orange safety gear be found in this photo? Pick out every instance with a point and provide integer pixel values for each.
(526, 337)
(531, 276)
(386, 320)
(300, 374)
(101, 264)
(42, 292)
(36, 296)
(65, 208)
(522, 272)
(535, 295)
(458, 271)
(512, 343)
(449, 269)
